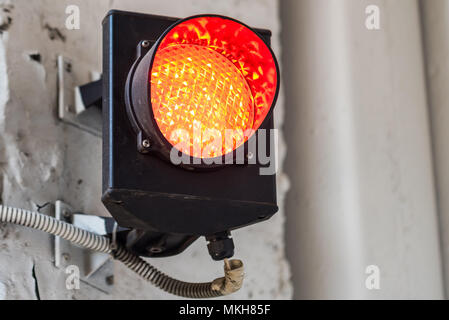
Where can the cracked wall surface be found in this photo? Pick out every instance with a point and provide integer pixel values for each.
(43, 160)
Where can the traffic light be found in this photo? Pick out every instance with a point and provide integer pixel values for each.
(186, 105)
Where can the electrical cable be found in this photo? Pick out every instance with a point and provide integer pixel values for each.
(230, 283)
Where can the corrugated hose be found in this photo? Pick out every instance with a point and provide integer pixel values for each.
(230, 283)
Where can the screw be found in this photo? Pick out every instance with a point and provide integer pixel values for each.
(110, 280)
(145, 43)
(66, 215)
(156, 250)
(66, 256)
(146, 143)
(68, 67)
(250, 155)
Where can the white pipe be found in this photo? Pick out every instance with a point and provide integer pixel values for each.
(435, 19)
(359, 152)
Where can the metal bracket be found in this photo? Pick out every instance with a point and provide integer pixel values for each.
(71, 108)
(96, 269)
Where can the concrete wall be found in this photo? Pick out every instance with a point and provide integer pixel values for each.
(359, 150)
(42, 159)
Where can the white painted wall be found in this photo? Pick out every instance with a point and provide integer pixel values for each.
(359, 150)
(44, 160)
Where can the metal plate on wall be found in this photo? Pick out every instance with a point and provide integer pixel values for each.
(96, 269)
(70, 107)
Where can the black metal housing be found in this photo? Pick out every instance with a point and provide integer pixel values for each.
(147, 193)
(91, 93)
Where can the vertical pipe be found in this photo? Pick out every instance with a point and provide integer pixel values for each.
(359, 152)
(435, 25)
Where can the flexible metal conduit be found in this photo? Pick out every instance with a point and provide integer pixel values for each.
(231, 282)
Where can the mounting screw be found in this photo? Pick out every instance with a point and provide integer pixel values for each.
(66, 256)
(68, 67)
(250, 155)
(146, 143)
(145, 43)
(155, 250)
(110, 280)
(67, 215)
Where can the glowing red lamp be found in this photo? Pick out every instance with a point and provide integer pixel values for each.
(203, 88)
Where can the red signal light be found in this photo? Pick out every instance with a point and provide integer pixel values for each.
(211, 83)
(168, 208)
(211, 74)
(197, 94)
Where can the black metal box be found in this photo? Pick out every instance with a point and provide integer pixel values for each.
(145, 192)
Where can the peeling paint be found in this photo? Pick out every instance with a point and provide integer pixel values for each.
(36, 57)
(36, 283)
(44, 160)
(54, 33)
(7, 7)
(2, 291)
(6, 25)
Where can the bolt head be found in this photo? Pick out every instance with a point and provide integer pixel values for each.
(146, 143)
(156, 250)
(145, 43)
(110, 280)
